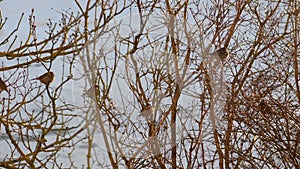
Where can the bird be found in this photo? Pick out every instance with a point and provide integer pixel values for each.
(2, 86)
(147, 111)
(46, 78)
(222, 53)
(91, 91)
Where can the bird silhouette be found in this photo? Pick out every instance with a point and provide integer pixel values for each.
(222, 53)
(2, 86)
(46, 78)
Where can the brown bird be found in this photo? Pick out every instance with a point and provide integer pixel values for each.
(46, 78)
(222, 53)
(2, 86)
(91, 91)
(147, 111)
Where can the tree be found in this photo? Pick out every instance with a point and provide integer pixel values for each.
(153, 94)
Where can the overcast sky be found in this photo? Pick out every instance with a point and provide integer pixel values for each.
(43, 10)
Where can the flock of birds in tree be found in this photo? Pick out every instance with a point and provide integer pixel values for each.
(48, 77)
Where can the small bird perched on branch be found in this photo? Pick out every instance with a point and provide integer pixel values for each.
(46, 78)
(222, 53)
(147, 111)
(2, 86)
(92, 91)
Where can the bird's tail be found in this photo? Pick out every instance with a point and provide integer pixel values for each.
(35, 78)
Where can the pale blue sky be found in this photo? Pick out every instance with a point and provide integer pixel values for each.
(44, 10)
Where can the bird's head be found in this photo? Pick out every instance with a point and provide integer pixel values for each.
(51, 74)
